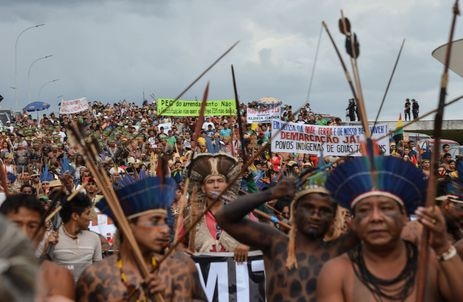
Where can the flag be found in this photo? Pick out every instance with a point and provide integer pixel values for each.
(46, 174)
(399, 131)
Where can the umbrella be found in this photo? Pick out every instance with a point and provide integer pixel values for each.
(36, 106)
(268, 102)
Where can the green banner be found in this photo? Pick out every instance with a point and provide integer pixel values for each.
(191, 108)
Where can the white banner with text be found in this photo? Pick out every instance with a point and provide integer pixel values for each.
(262, 115)
(326, 140)
(73, 106)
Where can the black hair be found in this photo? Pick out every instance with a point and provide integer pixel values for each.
(14, 202)
(78, 204)
(34, 191)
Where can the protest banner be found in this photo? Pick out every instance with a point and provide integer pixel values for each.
(326, 140)
(225, 280)
(73, 106)
(191, 107)
(262, 115)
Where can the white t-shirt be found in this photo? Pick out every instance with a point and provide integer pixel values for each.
(77, 254)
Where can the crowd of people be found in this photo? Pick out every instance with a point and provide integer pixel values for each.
(183, 194)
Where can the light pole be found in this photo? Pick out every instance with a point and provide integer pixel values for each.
(45, 84)
(16, 59)
(29, 74)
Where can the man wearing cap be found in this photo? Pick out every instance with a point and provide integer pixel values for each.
(381, 192)
(146, 203)
(35, 182)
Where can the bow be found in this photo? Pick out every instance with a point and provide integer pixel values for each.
(431, 189)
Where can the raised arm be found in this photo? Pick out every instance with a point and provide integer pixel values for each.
(449, 263)
(257, 235)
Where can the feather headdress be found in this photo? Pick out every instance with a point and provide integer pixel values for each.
(140, 196)
(205, 165)
(314, 184)
(361, 177)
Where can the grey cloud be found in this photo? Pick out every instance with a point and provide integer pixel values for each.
(111, 50)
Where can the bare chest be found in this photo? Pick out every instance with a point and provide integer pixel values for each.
(362, 289)
(297, 284)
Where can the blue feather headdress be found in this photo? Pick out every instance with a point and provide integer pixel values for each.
(137, 196)
(360, 177)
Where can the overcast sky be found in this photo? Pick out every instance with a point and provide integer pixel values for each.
(113, 50)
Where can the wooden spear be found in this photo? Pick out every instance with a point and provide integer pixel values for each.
(89, 151)
(238, 116)
(198, 126)
(431, 189)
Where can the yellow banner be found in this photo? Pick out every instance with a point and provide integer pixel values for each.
(191, 108)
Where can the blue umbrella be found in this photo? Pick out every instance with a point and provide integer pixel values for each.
(36, 106)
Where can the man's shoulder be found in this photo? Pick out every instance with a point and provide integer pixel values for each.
(180, 259)
(100, 282)
(339, 263)
(91, 235)
(107, 265)
(178, 266)
(50, 268)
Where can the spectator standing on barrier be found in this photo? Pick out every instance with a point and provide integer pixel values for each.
(407, 108)
(350, 110)
(415, 109)
(146, 203)
(292, 262)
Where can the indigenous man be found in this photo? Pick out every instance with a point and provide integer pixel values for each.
(146, 204)
(381, 192)
(77, 247)
(211, 174)
(292, 263)
(27, 213)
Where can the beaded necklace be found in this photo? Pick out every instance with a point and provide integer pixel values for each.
(380, 288)
(132, 290)
(73, 237)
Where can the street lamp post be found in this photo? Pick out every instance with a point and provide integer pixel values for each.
(16, 59)
(45, 84)
(29, 74)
